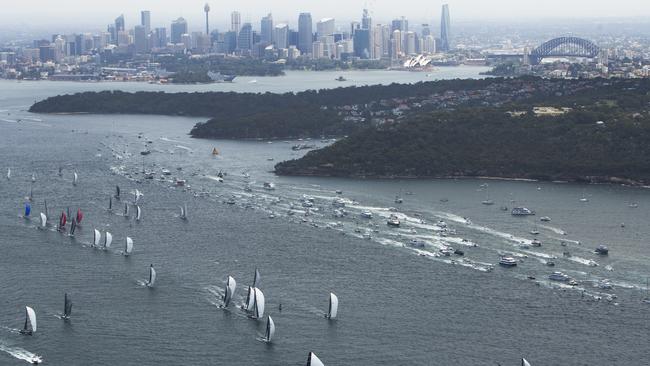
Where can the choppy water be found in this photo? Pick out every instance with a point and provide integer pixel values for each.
(399, 304)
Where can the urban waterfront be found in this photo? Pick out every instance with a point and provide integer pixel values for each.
(399, 303)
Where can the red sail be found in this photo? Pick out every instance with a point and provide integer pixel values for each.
(80, 216)
(63, 220)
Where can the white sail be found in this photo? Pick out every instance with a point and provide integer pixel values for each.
(97, 237)
(108, 239)
(138, 214)
(270, 329)
(259, 303)
(152, 276)
(334, 306)
(31, 316)
(256, 279)
(312, 360)
(182, 216)
(43, 220)
(75, 179)
(8, 173)
(231, 285)
(129, 246)
(33, 177)
(524, 362)
(250, 299)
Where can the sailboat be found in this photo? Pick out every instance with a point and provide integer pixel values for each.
(46, 211)
(524, 362)
(8, 173)
(138, 214)
(75, 178)
(229, 292)
(31, 194)
(28, 210)
(108, 239)
(312, 360)
(33, 177)
(584, 197)
(258, 304)
(80, 216)
(270, 330)
(60, 171)
(63, 219)
(152, 277)
(136, 196)
(97, 237)
(67, 307)
(215, 152)
(126, 209)
(43, 221)
(535, 231)
(183, 215)
(117, 192)
(128, 246)
(30, 321)
(256, 278)
(487, 201)
(73, 227)
(110, 204)
(333, 309)
(647, 292)
(250, 300)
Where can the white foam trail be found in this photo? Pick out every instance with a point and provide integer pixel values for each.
(170, 140)
(553, 229)
(184, 148)
(19, 353)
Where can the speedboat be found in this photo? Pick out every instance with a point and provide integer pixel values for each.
(536, 243)
(559, 276)
(269, 186)
(399, 199)
(231, 200)
(487, 202)
(545, 219)
(534, 232)
(522, 211)
(605, 285)
(416, 243)
(508, 262)
(166, 172)
(338, 202)
(602, 250)
(366, 215)
(181, 182)
(393, 221)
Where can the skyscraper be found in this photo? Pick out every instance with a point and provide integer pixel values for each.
(245, 37)
(281, 36)
(160, 37)
(119, 27)
(140, 39)
(206, 9)
(366, 24)
(305, 33)
(401, 25)
(445, 30)
(178, 28)
(235, 22)
(396, 45)
(145, 20)
(325, 27)
(267, 29)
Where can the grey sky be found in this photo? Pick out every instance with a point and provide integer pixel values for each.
(85, 13)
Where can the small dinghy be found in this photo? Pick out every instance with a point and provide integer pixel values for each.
(28, 210)
(75, 179)
(128, 246)
(152, 277)
(138, 213)
(183, 214)
(333, 309)
(108, 240)
(97, 238)
(43, 221)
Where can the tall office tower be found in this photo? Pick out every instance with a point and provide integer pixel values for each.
(445, 30)
(325, 27)
(409, 43)
(267, 29)
(145, 20)
(206, 9)
(362, 43)
(140, 39)
(160, 37)
(385, 45)
(366, 23)
(113, 33)
(245, 37)
(281, 36)
(178, 28)
(353, 28)
(305, 33)
(235, 22)
(119, 27)
(396, 45)
(429, 44)
(401, 24)
(366, 20)
(425, 30)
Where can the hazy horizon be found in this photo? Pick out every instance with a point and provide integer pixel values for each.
(93, 15)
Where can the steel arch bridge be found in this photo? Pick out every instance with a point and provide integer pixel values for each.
(563, 47)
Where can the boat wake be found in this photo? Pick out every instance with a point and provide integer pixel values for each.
(20, 353)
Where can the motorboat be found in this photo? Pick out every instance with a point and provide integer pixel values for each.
(545, 219)
(393, 221)
(399, 199)
(166, 172)
(507, 261)
(338, 202)
(180, 182)
(366, 215)
(559, 276)
(605, 285)
(268, 186)
(522, 211)
(602, 250)
(536, 243)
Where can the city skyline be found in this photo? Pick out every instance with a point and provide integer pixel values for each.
(163, 12)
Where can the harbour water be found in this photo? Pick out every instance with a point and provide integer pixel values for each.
(400, 302)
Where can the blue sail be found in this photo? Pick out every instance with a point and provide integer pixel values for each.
(28, 209)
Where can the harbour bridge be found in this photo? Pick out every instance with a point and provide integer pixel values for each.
(564, 47)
